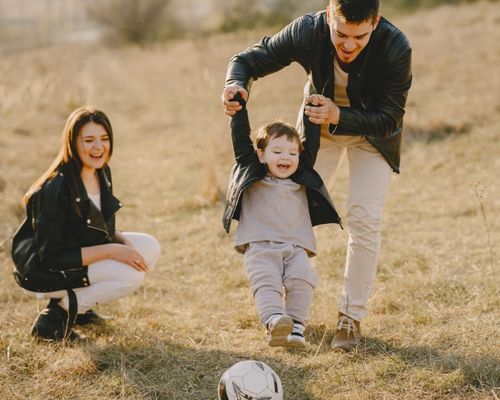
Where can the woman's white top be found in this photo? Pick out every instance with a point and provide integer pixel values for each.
(96, 199)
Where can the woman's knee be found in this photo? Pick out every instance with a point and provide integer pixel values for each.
(146, 245)
(131, 277)
(153, 250)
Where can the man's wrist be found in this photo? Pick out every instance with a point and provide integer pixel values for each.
(334, 115)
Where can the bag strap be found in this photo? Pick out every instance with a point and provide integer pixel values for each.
(72, 312)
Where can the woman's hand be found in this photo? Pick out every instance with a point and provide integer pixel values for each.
(322, 110)
(126, 254)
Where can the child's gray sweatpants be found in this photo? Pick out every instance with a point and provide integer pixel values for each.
(274, 269)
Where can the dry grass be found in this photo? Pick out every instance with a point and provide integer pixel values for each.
(433, 332)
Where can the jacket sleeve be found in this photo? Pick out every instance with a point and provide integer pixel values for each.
(51, 219)
(310, 141)
(385, 113)
(269, 55)
(240, 133)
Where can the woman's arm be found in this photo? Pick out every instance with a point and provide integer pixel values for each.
(52, 213)
(114, 251)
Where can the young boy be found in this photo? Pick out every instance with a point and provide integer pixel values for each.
(277, 198)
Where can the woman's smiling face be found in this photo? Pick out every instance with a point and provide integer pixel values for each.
(93, 146)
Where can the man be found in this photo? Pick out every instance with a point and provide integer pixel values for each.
(359, 73)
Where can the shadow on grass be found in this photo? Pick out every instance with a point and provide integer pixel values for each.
(163, 370)
(480, 372)
(320, 335)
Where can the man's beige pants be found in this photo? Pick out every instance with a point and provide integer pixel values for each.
(369, 176)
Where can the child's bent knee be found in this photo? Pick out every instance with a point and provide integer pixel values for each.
(300, 283)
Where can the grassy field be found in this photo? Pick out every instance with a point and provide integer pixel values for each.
(433, 331)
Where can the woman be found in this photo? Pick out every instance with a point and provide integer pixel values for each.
(68, 249)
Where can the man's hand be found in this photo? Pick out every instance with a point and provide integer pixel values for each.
(325, 111)
(231, 107)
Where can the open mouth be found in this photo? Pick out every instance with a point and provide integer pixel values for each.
(97, 157)
(348, 54)
(283, 166)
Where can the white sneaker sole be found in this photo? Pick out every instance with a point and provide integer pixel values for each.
(294, 343)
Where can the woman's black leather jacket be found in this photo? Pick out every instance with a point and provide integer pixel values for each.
(63, 220)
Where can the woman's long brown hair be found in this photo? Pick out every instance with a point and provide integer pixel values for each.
(68, 153)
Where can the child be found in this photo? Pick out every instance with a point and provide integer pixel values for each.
(277, 198)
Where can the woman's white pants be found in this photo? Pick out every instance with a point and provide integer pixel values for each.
(110, 279)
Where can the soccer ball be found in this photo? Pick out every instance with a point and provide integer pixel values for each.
(250, 380)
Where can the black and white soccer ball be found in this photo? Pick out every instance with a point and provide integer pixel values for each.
(250, 380)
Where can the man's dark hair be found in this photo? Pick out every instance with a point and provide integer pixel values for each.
(355, 10)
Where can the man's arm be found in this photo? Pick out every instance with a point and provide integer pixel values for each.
(388, 106)
(269, 55)
(386, 111)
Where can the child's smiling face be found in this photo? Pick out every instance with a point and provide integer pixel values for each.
(281, 156)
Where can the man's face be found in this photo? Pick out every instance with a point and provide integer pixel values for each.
(349, 38)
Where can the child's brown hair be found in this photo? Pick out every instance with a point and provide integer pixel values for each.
(276, 130)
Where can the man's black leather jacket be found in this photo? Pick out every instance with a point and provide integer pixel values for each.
(379, 77)
(248, 170)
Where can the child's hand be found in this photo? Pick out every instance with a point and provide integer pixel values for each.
(321, 110)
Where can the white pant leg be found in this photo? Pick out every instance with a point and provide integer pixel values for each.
(111, 280)
(146, 245)
(330, 157)
(369, 176)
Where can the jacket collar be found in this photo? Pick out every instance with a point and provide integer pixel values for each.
(88, 210)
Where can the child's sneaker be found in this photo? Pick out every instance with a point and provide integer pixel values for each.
(278, 329)
(296, 339)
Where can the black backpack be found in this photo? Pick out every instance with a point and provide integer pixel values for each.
(29, 272)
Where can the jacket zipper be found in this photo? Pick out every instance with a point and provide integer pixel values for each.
(97, 229)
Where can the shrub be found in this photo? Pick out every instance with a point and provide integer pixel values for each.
(403, 6)
(249, 15)
(135, 21)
